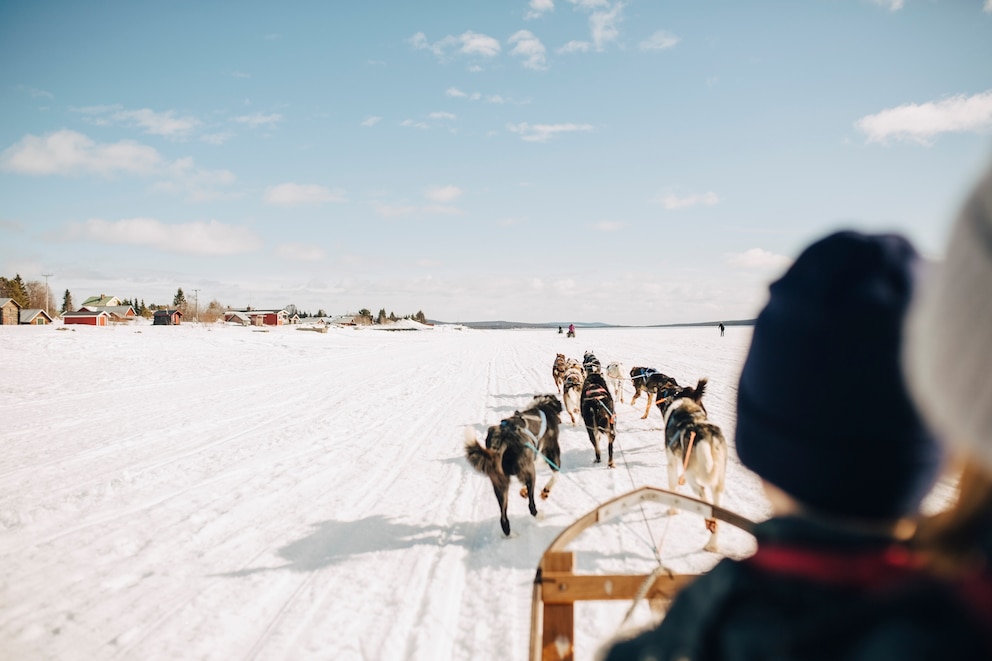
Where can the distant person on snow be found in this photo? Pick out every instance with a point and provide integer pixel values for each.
(829, 579)
(559, 330)
(721, 329)
(571, 330)
(947, 351)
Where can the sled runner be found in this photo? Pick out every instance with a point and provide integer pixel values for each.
(557, 587)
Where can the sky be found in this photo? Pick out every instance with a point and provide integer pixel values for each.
(629, 162)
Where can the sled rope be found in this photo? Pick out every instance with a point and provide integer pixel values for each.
(642, 591)
(685, 460)
(655, 546)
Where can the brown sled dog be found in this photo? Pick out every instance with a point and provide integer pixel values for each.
(512, 449)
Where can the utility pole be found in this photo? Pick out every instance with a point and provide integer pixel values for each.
(196, 304)
(47, 276)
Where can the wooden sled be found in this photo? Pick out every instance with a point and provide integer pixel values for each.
(557, 587)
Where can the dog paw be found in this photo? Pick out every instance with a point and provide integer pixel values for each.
(545, 493)
(611, 464)
(672, 511)
(711, 525)
(523, 492)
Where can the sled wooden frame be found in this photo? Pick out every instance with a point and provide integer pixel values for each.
(557, 587)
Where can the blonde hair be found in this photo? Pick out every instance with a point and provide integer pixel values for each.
(950, 541)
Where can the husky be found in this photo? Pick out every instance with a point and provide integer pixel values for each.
(590, 363)
(614, 374)
(649, 381)
(572, 391)
(513, 448)
(672, 392)
(697, 454)
(598, 414)
(558, 370)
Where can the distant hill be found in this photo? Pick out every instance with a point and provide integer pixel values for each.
(506, 325)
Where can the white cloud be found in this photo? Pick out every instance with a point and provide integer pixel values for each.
(575, 47)
(290, 194)
(455, 92)
(258, 119)
(415, 124)
(165, 123)
(44, 94)
(757, 259)
(443, 194)
(196, 184)
(604, 26)
(299, 252)
(240, 74)
(529, 47)
(442, 115)
(922, 122)
(590, 4)
(672, 201)
(660, 40)
(216, 138)
(474, 43)
(468, 43)
(395, 210)
(608, 226)
(988, 6)
(371, 120)
(69, 152)
(540, 7)
(196, 238)
(891, 5)
(544, 132)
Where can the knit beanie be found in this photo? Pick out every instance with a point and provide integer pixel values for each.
(823, 412)
(949, 334)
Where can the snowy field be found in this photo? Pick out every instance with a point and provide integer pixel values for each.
(212, 492)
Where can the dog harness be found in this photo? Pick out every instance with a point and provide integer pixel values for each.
(598, 393)
(542, 430)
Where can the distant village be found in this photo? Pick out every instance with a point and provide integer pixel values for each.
(30, 303)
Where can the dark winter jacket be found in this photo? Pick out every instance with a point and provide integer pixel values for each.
(813, 592)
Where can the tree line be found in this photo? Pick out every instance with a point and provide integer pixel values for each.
(34, 295)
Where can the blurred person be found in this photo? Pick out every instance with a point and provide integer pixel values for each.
(947, 355)
(825, 420)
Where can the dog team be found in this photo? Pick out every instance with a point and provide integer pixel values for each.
(695, 448)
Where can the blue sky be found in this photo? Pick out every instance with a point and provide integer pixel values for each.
(637, 162)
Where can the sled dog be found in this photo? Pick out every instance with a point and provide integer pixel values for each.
(649, 381)
(598, 414)
(697, 454)
(512, 449)
(571, 389)
(614, 373)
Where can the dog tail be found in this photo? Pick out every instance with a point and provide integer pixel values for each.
(715, 454)
(700, 389)
(482, 459)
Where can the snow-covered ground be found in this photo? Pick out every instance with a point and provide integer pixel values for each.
(217, 492)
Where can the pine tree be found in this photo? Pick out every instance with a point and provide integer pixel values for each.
(179, 301)
(17, 291)
(381, 317)
(67, 302)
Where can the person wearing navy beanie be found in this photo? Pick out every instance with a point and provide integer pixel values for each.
(823, 411)
(825, 419)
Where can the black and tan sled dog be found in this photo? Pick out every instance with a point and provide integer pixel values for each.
(598, 414)
(512, 449)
